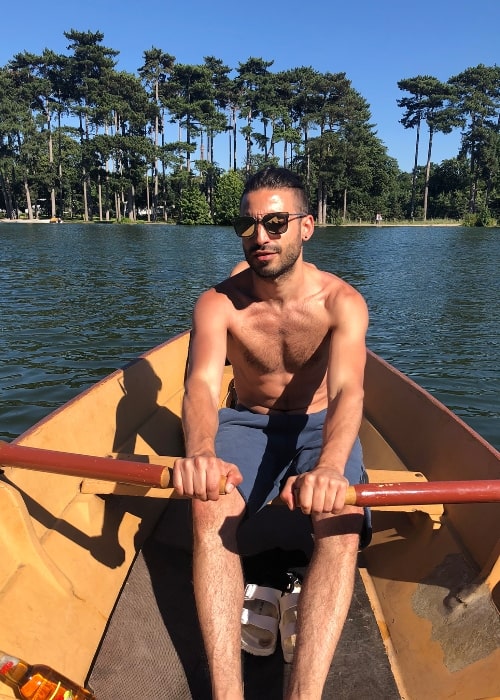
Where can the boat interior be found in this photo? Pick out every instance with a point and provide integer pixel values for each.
(95, 577)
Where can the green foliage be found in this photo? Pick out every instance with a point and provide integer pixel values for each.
(448, 189)
(78, 133)
(477, 97)
(481, 218)
(227, 195)
(194, 209)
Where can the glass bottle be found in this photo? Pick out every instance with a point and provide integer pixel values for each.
(39, 682)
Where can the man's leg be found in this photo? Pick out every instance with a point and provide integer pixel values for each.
(219, 590)
(324, 601)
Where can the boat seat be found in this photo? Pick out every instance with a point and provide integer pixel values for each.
(384, 466)
(386, 476)
(95, 486)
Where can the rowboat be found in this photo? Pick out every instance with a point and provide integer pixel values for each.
(96, 554)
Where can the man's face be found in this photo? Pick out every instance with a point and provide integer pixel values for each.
(271, 256)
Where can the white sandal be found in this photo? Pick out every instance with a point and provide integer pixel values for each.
(288, 619)
(260, 619)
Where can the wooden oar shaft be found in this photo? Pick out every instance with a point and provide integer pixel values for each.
(85, 466)
(143, 473)
(408, 493)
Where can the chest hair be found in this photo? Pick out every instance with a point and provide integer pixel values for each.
(273, 343)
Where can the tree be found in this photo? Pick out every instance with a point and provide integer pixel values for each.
(7, 103)
(441, 116)
(14, 112)
(448, 186)
(89, 64)
(427, 101)
(222, 92)
(432, 101)
(356, 153)
(193, 206)
(227, 195)
(187, 94)
(40, 85)
(76, 128)
(304, 105)
(286, 126)
(154, 72)
(478, 103)
(252, 83)
(31, 90)
(331, 90)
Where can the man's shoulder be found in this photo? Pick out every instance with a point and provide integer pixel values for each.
(238, 282)
(239, 267)
(340, 297)
(226, 293)
(212, 297)
(330, 283)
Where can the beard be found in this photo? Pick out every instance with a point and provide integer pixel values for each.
(279, 266)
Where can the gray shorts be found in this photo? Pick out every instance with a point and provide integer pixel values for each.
(269, 448)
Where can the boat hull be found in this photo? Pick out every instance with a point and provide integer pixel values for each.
(432, 573)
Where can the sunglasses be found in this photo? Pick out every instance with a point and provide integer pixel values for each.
(275, 223)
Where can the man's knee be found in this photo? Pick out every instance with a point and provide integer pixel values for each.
(217, 522)
(340, 530)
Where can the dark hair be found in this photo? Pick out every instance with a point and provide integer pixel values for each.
(274, 178)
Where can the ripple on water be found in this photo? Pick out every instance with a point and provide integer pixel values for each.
(77, 301)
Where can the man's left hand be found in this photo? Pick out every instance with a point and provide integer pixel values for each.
(322, 490)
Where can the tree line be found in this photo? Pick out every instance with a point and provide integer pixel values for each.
(81, 139)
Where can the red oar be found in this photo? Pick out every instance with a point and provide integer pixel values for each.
(426, 493)
(85, 466)
(143, 473)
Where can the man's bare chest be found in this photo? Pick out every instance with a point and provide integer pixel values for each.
(289, 343)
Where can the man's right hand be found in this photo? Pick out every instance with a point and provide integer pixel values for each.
(205, 477)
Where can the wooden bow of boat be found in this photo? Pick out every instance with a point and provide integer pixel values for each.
(432, 572)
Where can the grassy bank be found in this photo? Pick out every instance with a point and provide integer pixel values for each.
(401, 222)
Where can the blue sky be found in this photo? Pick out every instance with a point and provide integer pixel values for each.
(375, 42)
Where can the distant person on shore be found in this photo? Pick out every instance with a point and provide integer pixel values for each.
(295, 336)
(378, 219)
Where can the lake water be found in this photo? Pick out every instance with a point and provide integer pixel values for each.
(78, 301)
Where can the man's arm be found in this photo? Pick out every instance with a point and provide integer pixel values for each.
(346, 368)
(324, 488)
(198, 474)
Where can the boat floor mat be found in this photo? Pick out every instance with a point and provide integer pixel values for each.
(153, 648)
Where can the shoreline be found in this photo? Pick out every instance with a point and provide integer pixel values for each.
(350, 224)
(390, 224)
(30, 221)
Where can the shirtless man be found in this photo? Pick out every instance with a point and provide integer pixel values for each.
(296, 339)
